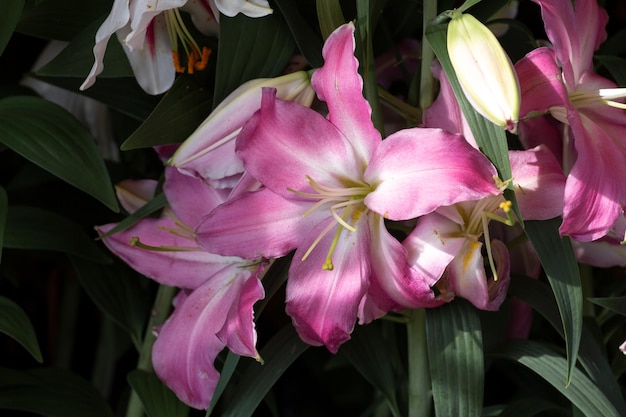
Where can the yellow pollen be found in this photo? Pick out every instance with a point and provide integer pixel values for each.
(506, 206)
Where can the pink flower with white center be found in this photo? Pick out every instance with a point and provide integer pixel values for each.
(445, 248)
(329, 184)
(214, 308)
(561, 81)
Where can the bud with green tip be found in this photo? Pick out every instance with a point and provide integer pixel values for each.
(484, 70)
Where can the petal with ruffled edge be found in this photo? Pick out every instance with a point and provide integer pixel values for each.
(539, 183)
(258, 224)
(184, 269)
(467, 277)
(574, 47)
(250, 8)
(117, 19)
(284, 142)
(186, 347)
(594, 190)
(339, 84)
(323, 304)
(414, 172)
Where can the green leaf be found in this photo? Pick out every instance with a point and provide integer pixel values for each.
(330, 16)
(257, 380)
(374, 353)
(559, 263)
(36, 228)
(616, 304)
(51, 393)
(60, 19)
(77, 58)
(616, 66)
(4, 207)
(158, 400)
(118, 293)
(15, 323)
(455, 354)
(309, 42)
(527, 407)
(11, 12)
(552, 367)
(158, 202)
(250, 49)
(49, 136)
(177, 116)
(591, 355)
(226, 373)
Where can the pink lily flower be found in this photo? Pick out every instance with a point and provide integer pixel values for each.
(214, 308)
(560, 81)
(445, 248)
(606, 252)
(329, 184)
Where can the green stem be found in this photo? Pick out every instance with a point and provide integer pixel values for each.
(160, 311)
(420, 392)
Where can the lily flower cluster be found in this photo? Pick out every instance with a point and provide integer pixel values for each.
(376, 225)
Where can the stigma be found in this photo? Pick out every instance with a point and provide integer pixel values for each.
(197, 58)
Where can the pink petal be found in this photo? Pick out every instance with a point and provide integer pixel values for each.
(256, 225)
(415, 172)
(542, 130)
(133, 194)
(431, 247)
(541, 82)
(539, 183)
(323, 304)
(185, 269)
(594, 191)
(187, 345)
(467, 275)
(563, 21)
(190, 198)
(339, 84)
(392, 285)
(445, 112)
(285, 141)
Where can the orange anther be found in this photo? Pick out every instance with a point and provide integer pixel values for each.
(206, 53)
(176, 60)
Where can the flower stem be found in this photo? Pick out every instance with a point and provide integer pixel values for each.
(159, 313)
(420, 394)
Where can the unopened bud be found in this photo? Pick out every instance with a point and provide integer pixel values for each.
(484, 70)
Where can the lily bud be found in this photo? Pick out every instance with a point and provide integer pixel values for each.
(484, 70)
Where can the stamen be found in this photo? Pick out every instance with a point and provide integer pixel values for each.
(179, 34)
(136, 242)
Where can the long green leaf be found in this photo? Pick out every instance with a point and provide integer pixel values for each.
(582, 392)
(257, 380)
(52, 138)
(4, 207)
(616, 304)
(455, 354)
(591, 355)
(226, 373)
(15, 323)
(329, 15)
(249, 49)
(118, 293)
(158, 400)
(559, 263)
(60, 19)
(158, 202)
(374, 353)
(50, 393)
(36, 228)
(527, 407)
(309, 41)
(11, 12)
(176, 116)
